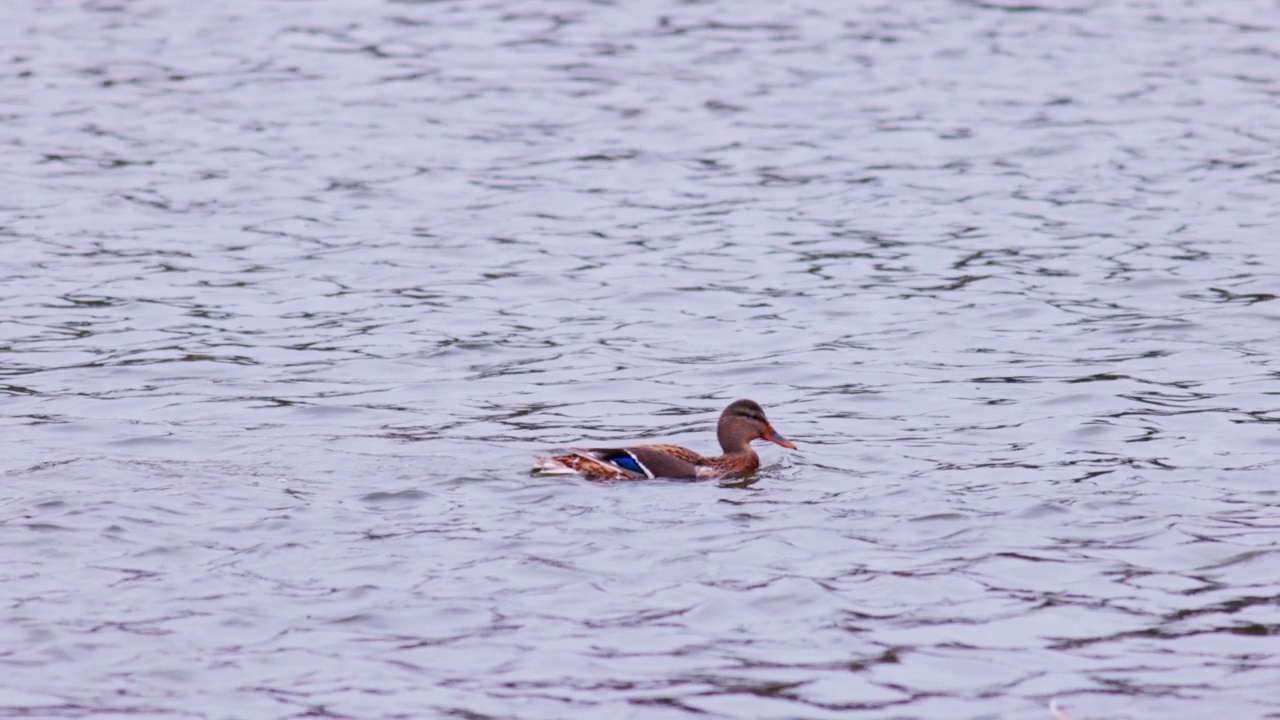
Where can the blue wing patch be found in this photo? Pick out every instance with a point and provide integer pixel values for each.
(628, 462)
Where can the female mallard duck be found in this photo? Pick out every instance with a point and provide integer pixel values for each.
(740, 423)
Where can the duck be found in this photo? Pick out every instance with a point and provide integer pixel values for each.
(741, 422)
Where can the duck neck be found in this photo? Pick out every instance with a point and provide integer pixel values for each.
(733, 441)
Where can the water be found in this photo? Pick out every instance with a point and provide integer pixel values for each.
(292, 292)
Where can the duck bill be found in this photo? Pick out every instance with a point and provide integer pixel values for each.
(774, 436)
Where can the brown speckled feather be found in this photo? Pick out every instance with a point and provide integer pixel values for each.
(587, 465)
(676, 451)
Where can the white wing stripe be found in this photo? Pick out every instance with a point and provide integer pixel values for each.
(647, 471)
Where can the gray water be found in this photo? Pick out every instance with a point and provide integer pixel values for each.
(292, 291)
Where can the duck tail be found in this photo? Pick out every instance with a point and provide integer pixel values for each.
(552, 466)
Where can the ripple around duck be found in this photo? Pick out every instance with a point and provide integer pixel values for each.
(292, 299)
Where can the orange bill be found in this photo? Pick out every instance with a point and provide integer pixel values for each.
(774, 437)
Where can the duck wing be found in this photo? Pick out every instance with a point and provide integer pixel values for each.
(675, 451)
(641, 462)
(595, 464)
(666, 461)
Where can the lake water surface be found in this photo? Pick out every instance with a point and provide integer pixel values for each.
(290, 292)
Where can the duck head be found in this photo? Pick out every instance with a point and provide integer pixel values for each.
(744, 421)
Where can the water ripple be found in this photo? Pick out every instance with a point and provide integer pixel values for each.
(291, 299)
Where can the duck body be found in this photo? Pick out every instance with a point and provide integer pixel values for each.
(740, 423)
